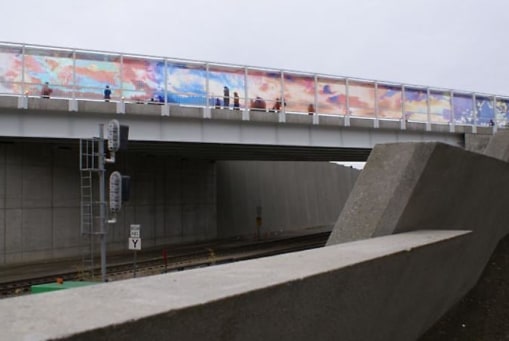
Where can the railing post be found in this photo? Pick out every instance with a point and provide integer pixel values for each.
(376, 123)
(428, 110)
(121, 78)
(403, 113)
(23, 87)
(347, 104)
(73, 104)
(207, 113)
(452, 119)
(474, 112)
(245, 112)
(23, 99)
(166, 106)
(282, 113)
(315, 116)
(495, 122)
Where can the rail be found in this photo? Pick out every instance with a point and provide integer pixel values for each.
(181, 259)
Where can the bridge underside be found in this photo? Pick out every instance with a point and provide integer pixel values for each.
(221, 151)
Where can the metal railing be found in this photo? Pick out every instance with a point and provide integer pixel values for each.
(82, 75)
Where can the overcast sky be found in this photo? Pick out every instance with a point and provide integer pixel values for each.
(459, 44)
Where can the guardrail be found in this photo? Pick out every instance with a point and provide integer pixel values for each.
(83, 75)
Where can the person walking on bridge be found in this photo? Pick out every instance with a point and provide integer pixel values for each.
(107, 93)
(226, 98)
(236, 101)
(46, 90)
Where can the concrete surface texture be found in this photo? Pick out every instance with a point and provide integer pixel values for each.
(443, 188)
(478, 142)
(483, 314)
(378, 289)
(411, 186)
(174, 200)
(498, 146)
(285, 195)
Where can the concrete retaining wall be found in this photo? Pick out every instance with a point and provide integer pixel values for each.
(287, 195)
(386, 288)
(174, 200)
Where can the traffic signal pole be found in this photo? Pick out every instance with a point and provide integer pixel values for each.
(102, 202)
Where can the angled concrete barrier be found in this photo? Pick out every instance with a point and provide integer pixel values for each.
(387, 288)
(414, 186)
(498, 147)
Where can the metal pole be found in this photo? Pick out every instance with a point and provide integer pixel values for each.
(166, 81)
(428, 106)
(316, 95)
(207, 92)
(428, 110)
(102, 203)
(403, 99)
(246, 89)
(376, 124)
(135, 266)
(282, 93)
(452, 119)
(347, 98)
(73, 76)
(121, 78)
(23, 87)
(495, 111)
(474, 109)
(376, 101)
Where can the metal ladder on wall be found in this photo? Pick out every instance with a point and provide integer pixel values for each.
(89, 205)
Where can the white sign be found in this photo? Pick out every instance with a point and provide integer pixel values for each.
(135, 231)
(134, 243)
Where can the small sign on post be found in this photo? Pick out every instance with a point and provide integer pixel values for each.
(135, 231)
(135, 242)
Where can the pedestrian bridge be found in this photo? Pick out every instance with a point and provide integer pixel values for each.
(221, 111)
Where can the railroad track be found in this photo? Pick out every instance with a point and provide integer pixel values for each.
(185, 258)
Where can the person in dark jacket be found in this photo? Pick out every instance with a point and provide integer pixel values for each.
(107, 93)
(226, 97)
(46, 90)
(236, 101)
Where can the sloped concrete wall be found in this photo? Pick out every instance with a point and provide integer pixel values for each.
(415, 186)
(498, 146)
(288, 196)
(412, 186)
